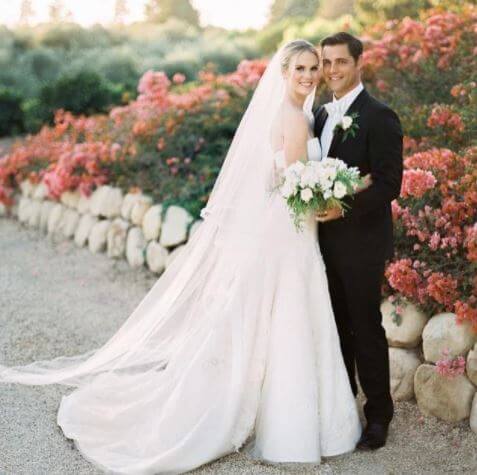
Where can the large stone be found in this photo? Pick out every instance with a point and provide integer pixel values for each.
(24, 208)
(83, 205)
(70, 198)
(55, 218)
(40, 192)
(471, 365)
(151, 223)
(173, 255)
(106, 201)
(129, 201)
(116, 238)
(473, 415)
(46, 207)
(135, 247)
(139, 209)
(97, 236)
(86, 223)
(403, 365)
(156, 257)
(70, 222)
(174, 228)
(406, 330)
(443, 332)
(449, 399)
(35, 214)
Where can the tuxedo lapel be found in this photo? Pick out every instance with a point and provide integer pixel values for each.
(320, 120)
(354, 107)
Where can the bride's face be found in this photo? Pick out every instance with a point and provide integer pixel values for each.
(302, 74)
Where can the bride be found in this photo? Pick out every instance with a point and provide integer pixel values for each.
(235, 346)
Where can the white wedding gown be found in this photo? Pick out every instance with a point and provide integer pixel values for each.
(268, 371)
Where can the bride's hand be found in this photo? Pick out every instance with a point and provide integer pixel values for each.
(367, 182)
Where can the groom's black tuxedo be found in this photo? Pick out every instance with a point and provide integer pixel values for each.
(356, 247)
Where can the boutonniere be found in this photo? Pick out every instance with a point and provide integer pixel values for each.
(348, 125)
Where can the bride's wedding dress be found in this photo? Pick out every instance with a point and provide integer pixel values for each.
(234, 347)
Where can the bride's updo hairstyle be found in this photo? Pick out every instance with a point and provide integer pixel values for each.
(293, 49)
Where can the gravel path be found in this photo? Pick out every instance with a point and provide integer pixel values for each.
(56, 299)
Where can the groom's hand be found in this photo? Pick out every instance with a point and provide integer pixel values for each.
(330, 215)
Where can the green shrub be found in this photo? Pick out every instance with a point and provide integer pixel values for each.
(11, 116)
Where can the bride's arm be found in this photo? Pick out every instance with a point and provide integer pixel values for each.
(295, 137)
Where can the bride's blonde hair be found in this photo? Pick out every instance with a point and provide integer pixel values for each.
(293, 48)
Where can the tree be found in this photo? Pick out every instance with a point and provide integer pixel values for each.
(159, 11)
(58, 12)
(26, 12)
(283, 9)
(121, 11)
(332, 9)
(373, 11)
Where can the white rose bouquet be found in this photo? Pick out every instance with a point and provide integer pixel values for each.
(316, 186)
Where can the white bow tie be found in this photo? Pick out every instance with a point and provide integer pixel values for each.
(335, 108)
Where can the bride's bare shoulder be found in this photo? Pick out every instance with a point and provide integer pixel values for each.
(288, 120)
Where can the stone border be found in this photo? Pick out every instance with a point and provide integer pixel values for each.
(127, 226)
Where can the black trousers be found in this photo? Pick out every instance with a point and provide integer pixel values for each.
(356, 297)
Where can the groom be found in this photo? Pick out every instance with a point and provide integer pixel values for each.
(355, 246)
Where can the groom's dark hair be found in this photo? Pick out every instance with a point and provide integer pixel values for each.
(355, 47)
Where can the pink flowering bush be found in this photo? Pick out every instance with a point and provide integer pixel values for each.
(450, 367)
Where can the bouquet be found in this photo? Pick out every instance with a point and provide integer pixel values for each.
(316, 186)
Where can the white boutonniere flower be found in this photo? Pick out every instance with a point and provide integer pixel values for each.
(348, 125)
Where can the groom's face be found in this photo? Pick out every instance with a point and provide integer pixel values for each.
(341, 71)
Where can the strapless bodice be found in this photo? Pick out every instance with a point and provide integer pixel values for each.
(313, 148)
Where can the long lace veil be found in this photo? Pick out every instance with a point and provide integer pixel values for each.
(195, 290)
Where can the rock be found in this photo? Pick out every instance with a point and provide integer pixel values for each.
(35, 214)
(156, 257)
(24, 208)
(106, 201)
(406, 334)
(172, 256)
(70, 198)
(97, 236)
(403, 365)
(135, 247)
(449, 399)
(473, 415)
(195, 226)
(442, 332)
(83, 230)
(70, 222)
(26, 187)
(471, 365)
(116, 238)
(40, 192)
(151, 223)
(174, 227)
(83, 205)
(46, 207)
(129, 201)
(55, 217)
(139, 209)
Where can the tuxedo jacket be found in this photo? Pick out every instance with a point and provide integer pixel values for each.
(365, 234)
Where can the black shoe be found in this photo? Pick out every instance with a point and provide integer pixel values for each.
(373, 437)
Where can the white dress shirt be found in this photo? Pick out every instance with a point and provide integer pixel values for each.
(341, 106)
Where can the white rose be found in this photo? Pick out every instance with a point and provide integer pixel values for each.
(346, 122)
(327, 194)
(287, 190)
(339, 190)
(306, 195)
